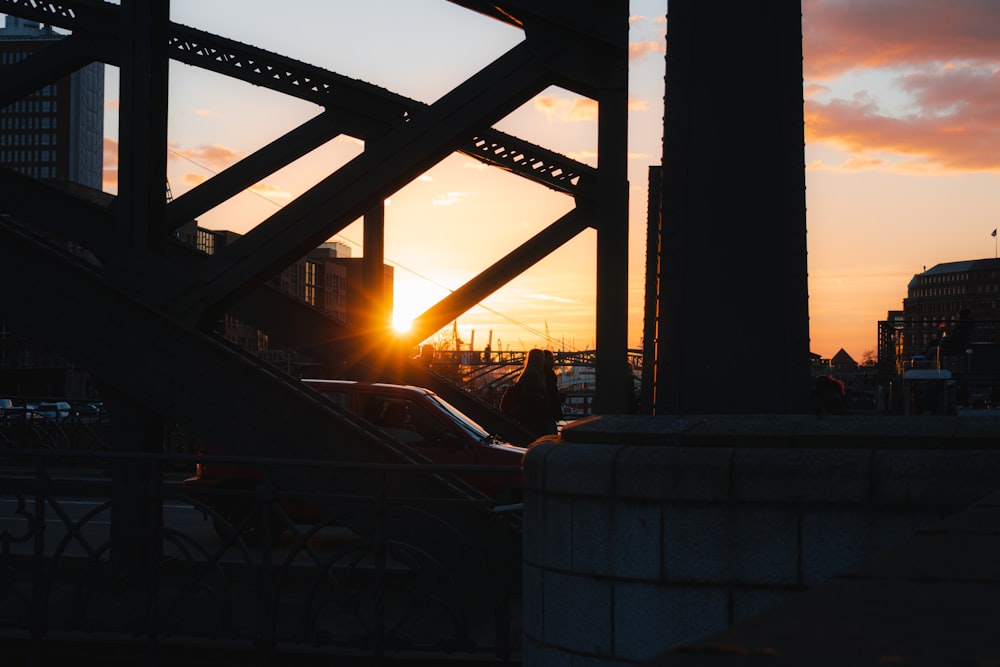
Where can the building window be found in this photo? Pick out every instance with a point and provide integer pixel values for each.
(310, 284)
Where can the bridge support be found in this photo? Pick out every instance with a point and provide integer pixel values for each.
(645, 533)
(733, 333)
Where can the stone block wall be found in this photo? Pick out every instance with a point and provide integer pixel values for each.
(643, 532)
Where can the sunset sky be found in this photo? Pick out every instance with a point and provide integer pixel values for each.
(902, 130)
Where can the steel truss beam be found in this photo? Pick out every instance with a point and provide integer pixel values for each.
(365, 109)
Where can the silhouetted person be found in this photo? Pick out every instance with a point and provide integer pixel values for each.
(426, 355)
(526, 401)
(829, 396)
(553, 411)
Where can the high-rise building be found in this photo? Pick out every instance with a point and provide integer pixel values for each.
(57, 132)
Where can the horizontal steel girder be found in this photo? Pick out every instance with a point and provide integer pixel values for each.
(367, 106)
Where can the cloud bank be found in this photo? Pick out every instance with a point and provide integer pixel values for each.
(943, 59)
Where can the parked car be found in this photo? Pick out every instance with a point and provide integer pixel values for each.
(54, 411)
(415, 416)
(19, 414)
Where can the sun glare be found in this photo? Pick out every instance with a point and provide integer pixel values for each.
(401, 323)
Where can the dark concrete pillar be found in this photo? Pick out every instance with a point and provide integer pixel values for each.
(734, 333)
(612, 372)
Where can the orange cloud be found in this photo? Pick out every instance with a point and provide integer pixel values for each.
(637, 50)
(841, 35)
(942, 57)
(956, 125)
(269, 190)
(559, 108)
(213, 157)
(582, 108)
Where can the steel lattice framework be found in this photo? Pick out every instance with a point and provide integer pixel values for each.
(140, 316)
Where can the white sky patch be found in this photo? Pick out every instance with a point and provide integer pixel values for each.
(882, 86)
(559, 108)
(270, 191)
(449, 198)
(549, 298)
(587, 157)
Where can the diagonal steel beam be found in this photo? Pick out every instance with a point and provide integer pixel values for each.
(58, 59)
(170, 368)
(240, 404)
(57, 212)
(233, 180)
(499, 274)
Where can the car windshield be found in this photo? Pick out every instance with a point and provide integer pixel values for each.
(471, 427)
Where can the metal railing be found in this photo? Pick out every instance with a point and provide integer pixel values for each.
(113, 548)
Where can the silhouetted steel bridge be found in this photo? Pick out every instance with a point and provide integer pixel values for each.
(108, 287)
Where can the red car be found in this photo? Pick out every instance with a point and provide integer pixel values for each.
(415, 416)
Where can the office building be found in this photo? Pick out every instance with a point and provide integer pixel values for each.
(57, 132)
(950, 318)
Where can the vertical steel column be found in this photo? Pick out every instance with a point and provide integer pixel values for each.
(612, 372)
(373, 270)
(651, 304)
(140, 234)
(142, 130)
(734, 334)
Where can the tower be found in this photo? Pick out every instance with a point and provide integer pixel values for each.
(733, 327)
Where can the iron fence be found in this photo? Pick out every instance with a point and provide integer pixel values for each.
(113, 548)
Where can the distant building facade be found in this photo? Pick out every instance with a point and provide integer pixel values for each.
(57, 132)
(954, 304)
(327, 279)
(950, 321)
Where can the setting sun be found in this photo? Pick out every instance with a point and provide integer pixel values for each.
(401, 323)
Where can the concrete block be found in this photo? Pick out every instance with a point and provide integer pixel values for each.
(797, 476)
(651, 618)
(747, 545)
(595, 661)
(537, 654)
(637, 540)
(533, 602)
(835, 540)
(664, 430)
(673, 473)
(533, 465)
(593, 541)
(580, 469)
(535, 504)
(940, 478)
(556, 548)
(751, 430)
(578, 613)
(747, 602)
